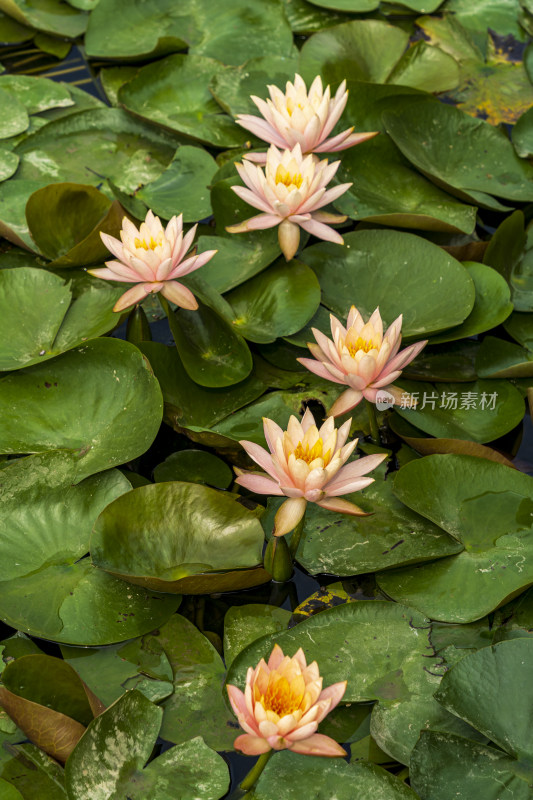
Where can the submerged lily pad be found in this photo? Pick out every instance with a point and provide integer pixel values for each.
(176, 537)
(488, 508)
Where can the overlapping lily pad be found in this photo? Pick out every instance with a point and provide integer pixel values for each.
(488, 508)
(174, 93)
(133, 723)
(50, 16)
(176, 537)
(429, 287)
(342, 545)
(46, 524)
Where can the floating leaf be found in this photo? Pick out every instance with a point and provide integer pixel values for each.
(50, 16)
(65, 220)
(491, 306)
(109, 416)
(278, 302)
(209, 535)
(232, 88)
(366, 50)
(425, 67)
(480, 411)
(197, 703)
(47, 522)
(174, 92)
(183, 186)
(244, 624)
(37, 94)
(195, 466)
(445, 144)
(132, 724)
(13, 115)
(494, 526)
(342, 545)
(431, 289)
(498, 358)
(238, 259)
(34, 774)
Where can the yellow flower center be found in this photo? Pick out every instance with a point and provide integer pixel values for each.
(280, 698)
(290, 181)
(361, 344)
(151, 245)
(291, 105)
(308, 454)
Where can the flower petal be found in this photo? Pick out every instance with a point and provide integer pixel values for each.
(289, 515)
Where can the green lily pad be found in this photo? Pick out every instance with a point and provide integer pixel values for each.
(447, 767)
(325, 779)
(112, 78)
(498, 358)
(65, 220)
(34, 774)
(186, 402)
(48, 521)
(485, 506)
(210, 533)
(14, 195)
(197, 706)
(520, 327)
(50, 16)
(174, 93)
(381, 650)
(491, 306)
(13, 115)
(229, 210)
(430, 288)
(8, 163)
(110, 415)
(342, 545)
(523, 135)
(110, 671)
(132, 724)
(244, 624)
(364, 50)
(237, 259)
(444, 143)
(352, 6)
(232, 88)
(90, 146)
(476, 16)
(231, 31)
(303, 17)
(277, 302)
(490, 688)
(195, 466)
(183, 186)
(37, 94)
(212, 351)
(387, 190)
(426, 67)
(12, 32)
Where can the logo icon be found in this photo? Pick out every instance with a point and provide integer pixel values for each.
(384, 400)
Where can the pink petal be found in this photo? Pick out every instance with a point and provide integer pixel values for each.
(319, 369)
(132, 296)
(251, 745)
(304, 732)
(348, 400)
(355, 469)
(342, 506)
(348, 486)
(260, 456)
(335, 693)
(113, 245)
(260, 222)
(260, 484)
(191, 264)
(344, 140)
(276, 657)
(322, 231)
(318, 745)
(289, 515)
(252, 199)
(178, 294)
(261, 129)
(236, 698)
(272, 433)
(109, 275)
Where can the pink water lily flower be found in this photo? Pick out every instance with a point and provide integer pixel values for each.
(306, 464)
(298, 117)
(152, 257)
(282, 705)
(361, 357)
(289, 193)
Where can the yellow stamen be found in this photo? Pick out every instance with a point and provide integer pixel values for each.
(310, 454)
(151, 245)
(361, 344)
(284, 176)
(280, 698)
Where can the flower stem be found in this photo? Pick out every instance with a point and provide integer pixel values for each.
(372, 418)
(253, 776)
(296, 536)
